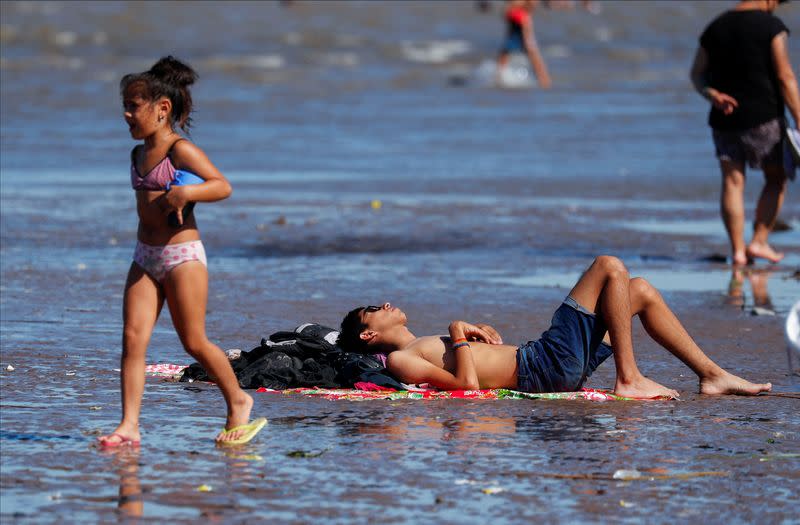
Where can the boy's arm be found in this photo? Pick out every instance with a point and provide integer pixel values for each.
(410, 367)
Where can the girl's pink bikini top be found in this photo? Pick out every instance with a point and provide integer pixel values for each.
(158, 178)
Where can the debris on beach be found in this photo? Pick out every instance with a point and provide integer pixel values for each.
(625, 475)
(10, 368)
(779, 455)
(205, 488)
(376, 204)
(304, 454)
(95, 408)
(493, 490)
(626, 504)
(632, 475)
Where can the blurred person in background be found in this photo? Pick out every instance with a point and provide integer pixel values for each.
(520, 38)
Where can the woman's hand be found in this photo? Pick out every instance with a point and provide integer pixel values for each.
(722, 101)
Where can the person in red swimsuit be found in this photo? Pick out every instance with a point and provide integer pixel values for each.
(520, 37)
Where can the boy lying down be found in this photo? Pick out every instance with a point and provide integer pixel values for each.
(600, 307)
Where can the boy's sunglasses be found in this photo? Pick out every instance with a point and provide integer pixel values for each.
(370, 309)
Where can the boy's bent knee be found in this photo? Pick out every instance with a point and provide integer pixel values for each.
(643, 290)
(611, 264)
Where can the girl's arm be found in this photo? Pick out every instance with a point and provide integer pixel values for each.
(187, 156)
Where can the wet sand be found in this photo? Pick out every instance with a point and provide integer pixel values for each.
(347, 461)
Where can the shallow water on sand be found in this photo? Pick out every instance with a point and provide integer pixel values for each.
(371, 162)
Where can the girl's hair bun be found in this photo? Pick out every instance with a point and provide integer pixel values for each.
(172, 71)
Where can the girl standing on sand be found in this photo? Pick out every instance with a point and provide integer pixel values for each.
(169, 262)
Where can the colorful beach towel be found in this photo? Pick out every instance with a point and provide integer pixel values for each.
(368, 391)
(164, 370)
(590, 394)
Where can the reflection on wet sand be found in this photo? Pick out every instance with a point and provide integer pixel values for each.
(480, 434)
(130, 503)
(761, 303)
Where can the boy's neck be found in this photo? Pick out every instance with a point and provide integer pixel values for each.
(399, 339)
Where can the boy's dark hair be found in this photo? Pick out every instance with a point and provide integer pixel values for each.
(349, 334)
(171, 78)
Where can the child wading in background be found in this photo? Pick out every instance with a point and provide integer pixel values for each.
(520, 38)
(169, 262)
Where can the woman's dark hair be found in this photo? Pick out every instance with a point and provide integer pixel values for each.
(170, 78)
(349, 334)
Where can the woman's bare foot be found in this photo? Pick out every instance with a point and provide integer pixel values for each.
(763, 251)
(238, 415)
(727, 383)
(643, 388)
(739, 259)
(124, 434)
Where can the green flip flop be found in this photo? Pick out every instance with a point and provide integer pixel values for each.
(251, 428)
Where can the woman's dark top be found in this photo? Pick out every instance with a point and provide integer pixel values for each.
(739, 47)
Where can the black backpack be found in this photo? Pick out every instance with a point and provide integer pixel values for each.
(304, 357)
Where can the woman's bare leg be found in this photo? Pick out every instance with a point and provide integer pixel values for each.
(731, 205)
(605, 289)
(769, 204)
(665, 329)
(186, 289)
(141, 306)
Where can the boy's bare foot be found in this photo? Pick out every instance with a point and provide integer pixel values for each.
(763, 251)
(727, 383)
(643, 388)
(238, 415)
(124, 434)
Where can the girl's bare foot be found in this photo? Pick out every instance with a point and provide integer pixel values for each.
(238, 415)
(763, 251)
(643, 388)
(727, 383)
